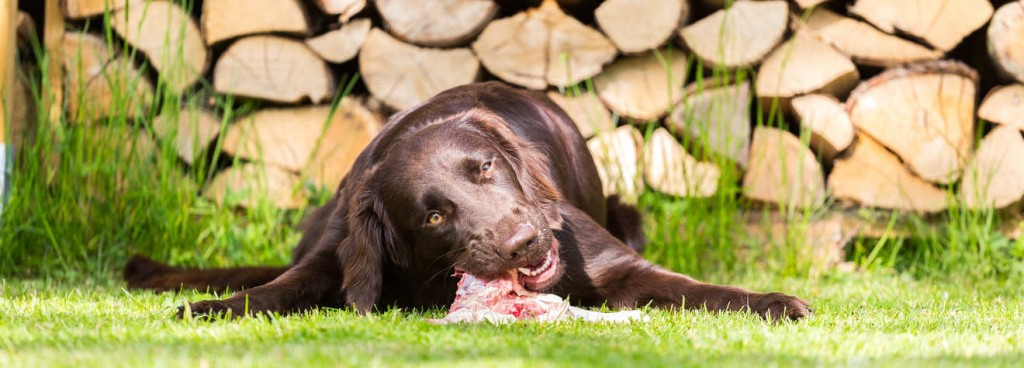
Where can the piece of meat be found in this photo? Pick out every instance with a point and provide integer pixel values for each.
(504, 300)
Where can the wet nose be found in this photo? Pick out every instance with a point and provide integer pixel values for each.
(521, 240)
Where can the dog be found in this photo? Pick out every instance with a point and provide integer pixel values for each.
(483, 179)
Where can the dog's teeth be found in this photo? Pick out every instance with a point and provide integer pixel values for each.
(526, 271)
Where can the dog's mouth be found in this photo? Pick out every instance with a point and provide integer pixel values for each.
(541, 272)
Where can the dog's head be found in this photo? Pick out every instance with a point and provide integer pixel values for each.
(460, 193)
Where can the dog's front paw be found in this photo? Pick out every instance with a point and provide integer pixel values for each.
(776, 306)
(208, 308)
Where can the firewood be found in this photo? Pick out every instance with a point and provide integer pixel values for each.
(247, 184)
(807, 4)
(168, 37)
(192, 130)
(740, 36)
(922, 112)
(995, 176)
(716, 118)
(542, 46)
(643, 87)
(586, 110)
(670, 170)
(872, 176)
(26, 29)
(78, 9)
(826, 118)
(345, 9)
(1006, 40)
(619, 19)
(942, 24)
(436, 23)
(617, 156)
(273, 68)
(8, 59)
(226, 19)
(805, 65)
(402, 75)
(862, 42)
(296, 139)
(783, 171)
(341, 45)
(1004, 105)
(99, 83)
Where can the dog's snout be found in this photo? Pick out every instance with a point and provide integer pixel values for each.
(522, 239)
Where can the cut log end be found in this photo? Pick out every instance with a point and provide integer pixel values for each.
(942, 24)
(226, 19)
(1006, 40)
(922, 112)
(783, 171)
(872, 176)
(1004, 105)
(343, 44)
(437, 23)
(826, 118)
(169, 38)
(249, 184)
(99, 83)
(995, 176)
(617, 157)
(79, 9)
(643, 87)
(660, 18)
(402, 75)
(586, 110)
(669, 169)
(739, 36)
(716, 118)
(862, 42)
(191, 130)
(273, 68)
(805, 65)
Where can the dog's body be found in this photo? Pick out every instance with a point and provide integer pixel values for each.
(484, 179)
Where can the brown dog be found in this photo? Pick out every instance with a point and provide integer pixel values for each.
(483, 179)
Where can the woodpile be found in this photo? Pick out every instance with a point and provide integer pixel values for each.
(797, 104)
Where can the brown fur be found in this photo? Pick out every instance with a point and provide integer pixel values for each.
(509, 177)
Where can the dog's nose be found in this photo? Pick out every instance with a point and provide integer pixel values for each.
(523, 237)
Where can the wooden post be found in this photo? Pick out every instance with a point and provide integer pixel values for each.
(8, 43)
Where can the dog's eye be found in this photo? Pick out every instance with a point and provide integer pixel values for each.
(435, 218)
(486, 166)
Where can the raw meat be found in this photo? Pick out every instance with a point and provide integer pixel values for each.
(504, 300)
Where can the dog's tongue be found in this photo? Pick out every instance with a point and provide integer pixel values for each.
(503, 300)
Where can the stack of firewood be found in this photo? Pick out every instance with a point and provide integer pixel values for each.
(670, 93)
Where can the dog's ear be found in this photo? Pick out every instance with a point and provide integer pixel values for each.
(371, 241)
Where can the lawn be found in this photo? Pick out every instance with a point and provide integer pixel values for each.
(859, 320)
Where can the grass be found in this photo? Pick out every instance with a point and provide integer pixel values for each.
(81, 204)
(872, 320)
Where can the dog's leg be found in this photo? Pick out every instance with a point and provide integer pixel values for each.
(301, 287)
(643, 283)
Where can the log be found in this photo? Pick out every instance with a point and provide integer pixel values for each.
(805, 65)
(828, 122)
(716, 118)
(341, 45)
(942, 24)
(247, 185)
(26, 29)
(1004, 105)
(8, 59)
(995, 176)
(617, 157)
(1006, 40)
(401, 75)
(436, 23)
(542, 46)
(660, 18)
(807, 4)
(586, 110)
(226, 19)
(643, 87)
(872, 176)
(344, 9)
(740, 36)
(783, 171)
(862, 42)
(311, 141)
(99, 83)
(670, 170)
(79, 9)
(273, 68)
(922, 112)
(191, 130)
(168, 37)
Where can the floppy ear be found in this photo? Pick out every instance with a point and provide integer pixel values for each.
(362, 253)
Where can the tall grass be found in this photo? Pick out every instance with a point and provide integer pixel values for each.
(83, 200)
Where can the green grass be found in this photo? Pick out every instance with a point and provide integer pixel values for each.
(860, 320)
